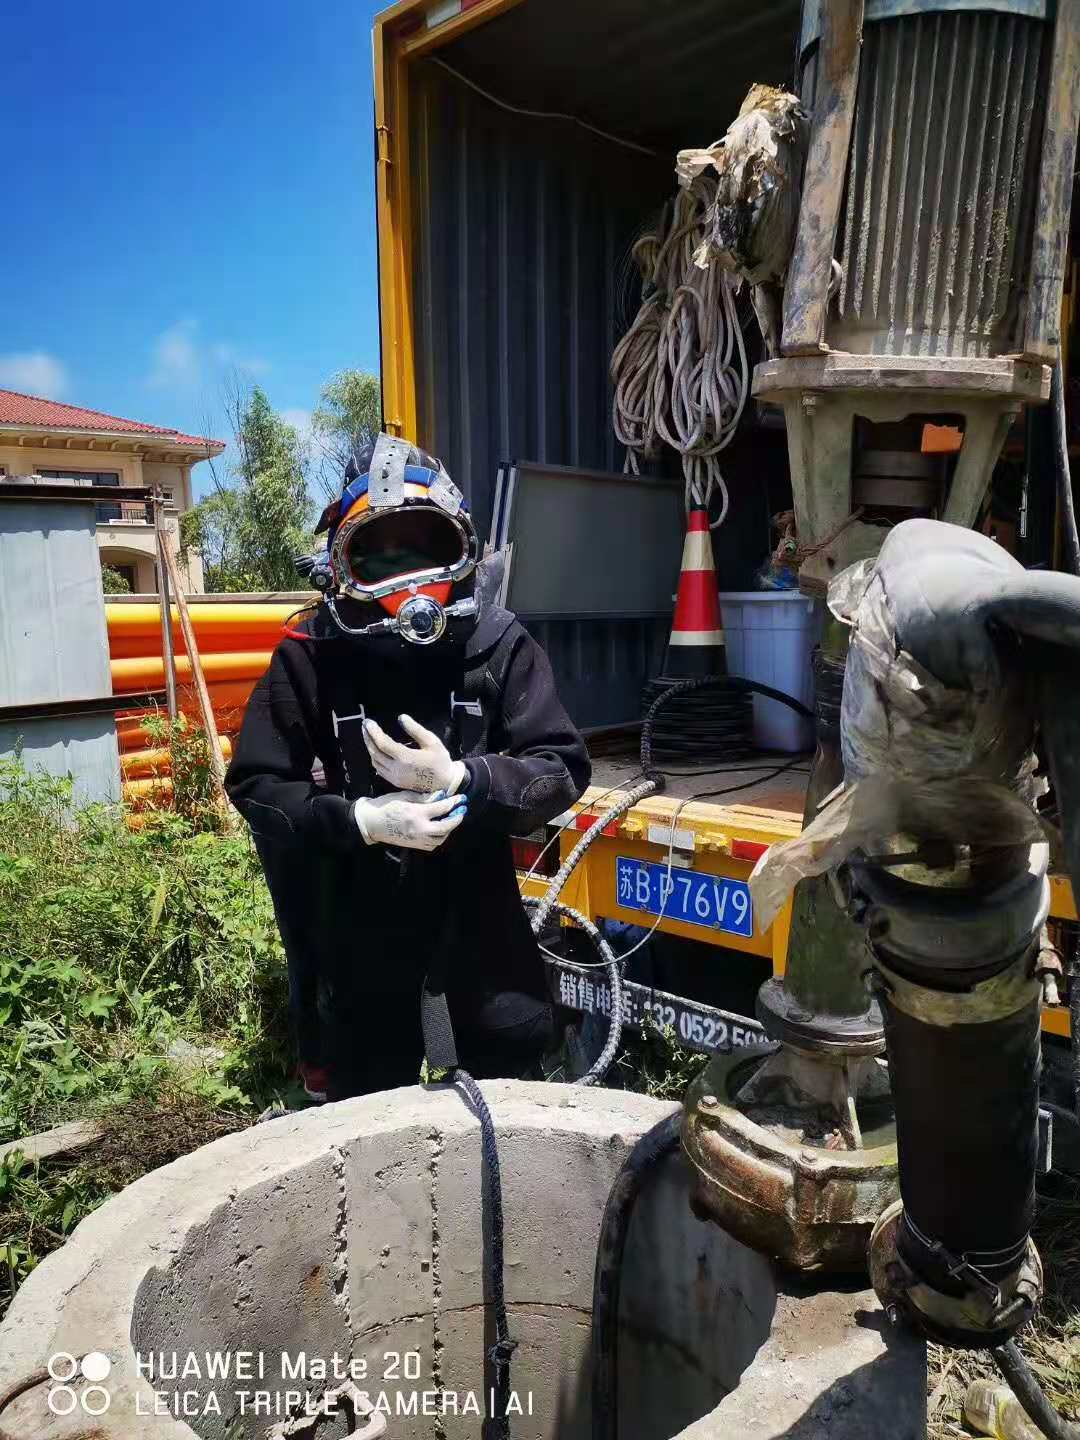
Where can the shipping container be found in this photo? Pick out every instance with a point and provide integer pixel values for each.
(523, 146)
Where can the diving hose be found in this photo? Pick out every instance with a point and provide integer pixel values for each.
(654, 1146)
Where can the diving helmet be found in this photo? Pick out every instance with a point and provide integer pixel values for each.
(400, 538)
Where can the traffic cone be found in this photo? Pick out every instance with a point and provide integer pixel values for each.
(696, 646)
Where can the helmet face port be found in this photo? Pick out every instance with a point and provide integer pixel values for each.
(398, 543)
(386, 555)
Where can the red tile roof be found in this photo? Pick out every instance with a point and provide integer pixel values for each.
(38, 414)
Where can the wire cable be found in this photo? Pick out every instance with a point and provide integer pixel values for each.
(561, 829)
(680, 372)
(541, 114)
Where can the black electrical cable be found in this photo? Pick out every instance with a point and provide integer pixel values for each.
(709, 682)
(736, 767)
(748, 784)
(1029, 1393)
(653, 1146)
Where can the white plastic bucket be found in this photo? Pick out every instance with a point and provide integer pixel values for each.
(770, 636)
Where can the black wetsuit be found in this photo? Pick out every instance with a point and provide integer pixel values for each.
(363, 924)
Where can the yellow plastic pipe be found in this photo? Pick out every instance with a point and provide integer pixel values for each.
(145, 792)
(147, 672)
(137, 764)
(134, 647)
(130, 620)
(135, 630)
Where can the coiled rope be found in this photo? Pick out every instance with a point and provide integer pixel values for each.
(680, 372)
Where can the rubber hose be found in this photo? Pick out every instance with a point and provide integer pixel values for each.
(602, 1064)
(1026, 1389)
(1062, 470)
(653, 1146)
(988, 1224)
(570, 864)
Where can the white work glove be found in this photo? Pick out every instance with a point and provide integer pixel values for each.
(409, 821)
(427, 769)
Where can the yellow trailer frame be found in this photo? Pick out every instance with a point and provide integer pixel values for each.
(719, 833)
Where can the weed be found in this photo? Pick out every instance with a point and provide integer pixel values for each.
(190, 769)
(652, 1062)
(116, 943)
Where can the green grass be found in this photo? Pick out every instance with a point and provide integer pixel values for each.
(115, 944)
(115, 947)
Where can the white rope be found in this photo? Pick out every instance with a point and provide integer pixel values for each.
(680, 372)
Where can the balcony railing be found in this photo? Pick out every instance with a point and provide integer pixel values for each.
(125, 512)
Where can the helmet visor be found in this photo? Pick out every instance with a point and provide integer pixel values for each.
(403, 542)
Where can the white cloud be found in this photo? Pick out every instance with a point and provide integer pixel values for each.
(230, 357)
(177, 363)
(299, 419)
(34, 372)
(182, 360)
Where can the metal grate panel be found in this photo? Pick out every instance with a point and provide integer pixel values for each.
(941, 191)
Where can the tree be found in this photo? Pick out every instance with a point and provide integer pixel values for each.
(349, 413)
(259, 516)
(113, 583)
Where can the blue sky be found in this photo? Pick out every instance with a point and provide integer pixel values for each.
(189, 190)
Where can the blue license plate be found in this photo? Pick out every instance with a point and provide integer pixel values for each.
(712, 901)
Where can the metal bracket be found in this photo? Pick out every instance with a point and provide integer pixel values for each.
(443, 492)
(386, 476)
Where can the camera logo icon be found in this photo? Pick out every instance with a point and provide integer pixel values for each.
(92, 1398)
